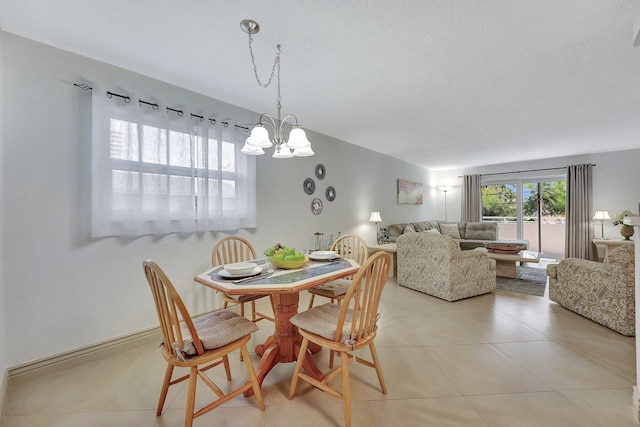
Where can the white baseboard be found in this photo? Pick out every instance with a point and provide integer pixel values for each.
(636, 403)
(4, 383)
(32, 370)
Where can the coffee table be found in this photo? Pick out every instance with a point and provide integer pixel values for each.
(506, 264)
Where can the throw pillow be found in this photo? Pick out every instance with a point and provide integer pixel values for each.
(481, 231)
(450, 230)
(408, 229)
(433, 231)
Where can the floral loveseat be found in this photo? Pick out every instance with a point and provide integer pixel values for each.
(469, 235)
(435, 265)
(602, 292)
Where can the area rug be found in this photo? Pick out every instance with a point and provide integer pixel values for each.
(532, 281)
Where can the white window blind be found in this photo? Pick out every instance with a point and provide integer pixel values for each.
(156, 172)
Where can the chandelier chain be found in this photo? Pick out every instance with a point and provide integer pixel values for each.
(276, 63)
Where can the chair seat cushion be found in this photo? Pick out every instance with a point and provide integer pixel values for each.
(332, 289)
(217, 329)
(322, 320)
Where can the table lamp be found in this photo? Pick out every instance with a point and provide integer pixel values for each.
(601, 216)
(375, 217)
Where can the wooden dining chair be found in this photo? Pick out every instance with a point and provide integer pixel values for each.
(233, 249)
(348, 246)
(198, 344)
(345, 328)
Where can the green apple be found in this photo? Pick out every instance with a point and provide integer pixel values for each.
(278, 256)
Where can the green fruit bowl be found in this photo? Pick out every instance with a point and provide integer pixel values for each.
(290, 264)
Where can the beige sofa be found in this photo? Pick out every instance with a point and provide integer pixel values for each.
(435, 265)
(602, 292)
(469, 235)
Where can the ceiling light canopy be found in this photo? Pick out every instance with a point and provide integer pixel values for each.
(259, 139)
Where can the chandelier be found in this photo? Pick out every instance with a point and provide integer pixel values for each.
(259, 138)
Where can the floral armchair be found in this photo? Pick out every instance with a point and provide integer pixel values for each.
(602, 292)
(435, 265)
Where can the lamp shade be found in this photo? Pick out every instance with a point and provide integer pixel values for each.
(259, 137)
(601, 215)
(375, 217)
(251, 150)
(444, 188)
(298, 138)
(282, 152)
(303, 152)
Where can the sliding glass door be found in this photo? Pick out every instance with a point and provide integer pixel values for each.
(531, 209)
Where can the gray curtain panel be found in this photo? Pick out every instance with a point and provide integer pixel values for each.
(579, 210)
(472, 198)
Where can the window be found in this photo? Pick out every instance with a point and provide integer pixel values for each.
(528, 209)
(158, 172)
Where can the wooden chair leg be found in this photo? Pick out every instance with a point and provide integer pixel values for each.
(346, 390)
(311, 301)
(257, 391)
(165, 389)
(253, 311)
(227, 368)
(296, 372)
(378, 367)
(332, 353)
(191, 397)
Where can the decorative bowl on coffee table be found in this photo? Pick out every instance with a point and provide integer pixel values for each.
(505, 248)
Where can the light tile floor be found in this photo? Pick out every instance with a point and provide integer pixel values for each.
(502, 359)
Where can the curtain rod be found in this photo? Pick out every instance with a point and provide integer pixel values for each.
(155, 106)
(523, 171)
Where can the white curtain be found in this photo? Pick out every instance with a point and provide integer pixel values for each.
(472, 198)
(155, 171)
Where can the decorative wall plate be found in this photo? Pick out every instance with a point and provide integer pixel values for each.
(309, 186)
(330, 193)
(321, 171)
(316, 206)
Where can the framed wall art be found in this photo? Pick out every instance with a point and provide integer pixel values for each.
(409, 192)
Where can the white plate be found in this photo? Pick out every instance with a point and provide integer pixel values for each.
(224, 273)
(323, 255)
(323, 259)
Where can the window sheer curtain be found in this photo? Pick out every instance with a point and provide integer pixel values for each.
(157, 172)
(472, 198)
(579, 210)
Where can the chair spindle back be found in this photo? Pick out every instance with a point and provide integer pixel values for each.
(171, 311)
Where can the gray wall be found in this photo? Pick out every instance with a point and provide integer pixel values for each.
(65, 290)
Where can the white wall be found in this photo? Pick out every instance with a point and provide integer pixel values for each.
(65, 290)
(614, 178)
(3, 308)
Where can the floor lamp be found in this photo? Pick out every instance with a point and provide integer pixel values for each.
(444, 189)
(601, 216)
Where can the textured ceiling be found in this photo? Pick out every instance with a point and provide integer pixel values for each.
(441, 83)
